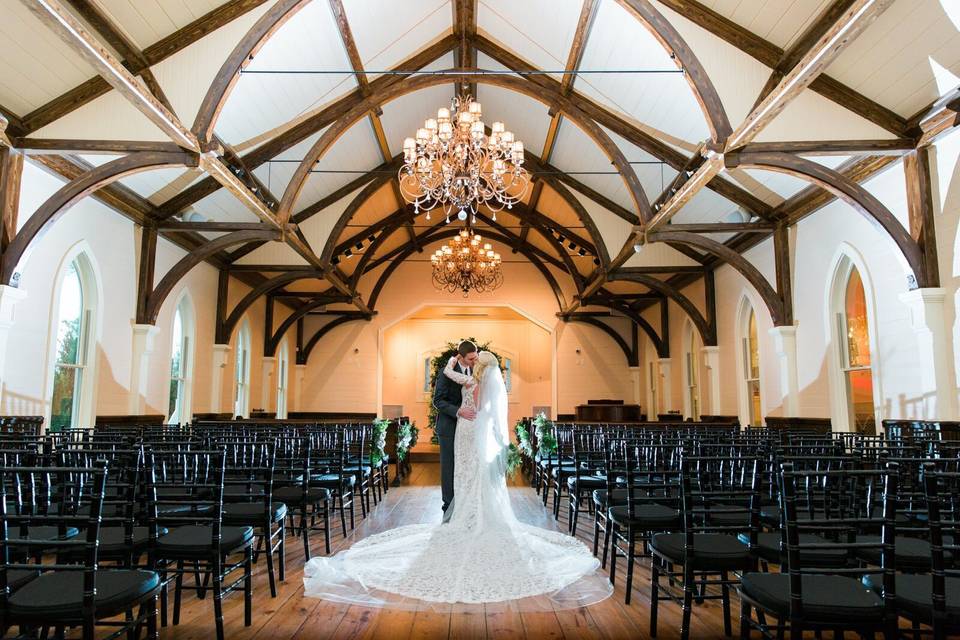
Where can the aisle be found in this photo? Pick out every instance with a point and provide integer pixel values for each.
(292, 616)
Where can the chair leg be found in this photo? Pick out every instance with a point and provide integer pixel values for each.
(606, 542)
(88, 630)
(725, 591)
(269, 549)
(248, 585)
(612, 532)
(596, 532)
(305, 534)
(178, 587)
(630, 562)
(654, 595)
(343, 515)
(283, 550)
(688, 586)
(218, 600)
(744, 620)
(152, 619)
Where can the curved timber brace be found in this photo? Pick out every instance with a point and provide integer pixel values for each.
(343, 317)
(630, 350)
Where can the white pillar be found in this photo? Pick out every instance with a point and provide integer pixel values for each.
(785, 348)
(143, 338)
(300, 371)
(933, 351)
(711, 362)
(221, 352)
(666, 385)
(268, 386)
(10, 297)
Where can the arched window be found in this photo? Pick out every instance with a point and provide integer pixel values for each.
(855, 357)
(691, 367)
(282, 381)
(68, 368)
(241, 403)
(751, 368)
(181, 364)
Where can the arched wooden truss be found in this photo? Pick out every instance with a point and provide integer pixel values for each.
(280, 222)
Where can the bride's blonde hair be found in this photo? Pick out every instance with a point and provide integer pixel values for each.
(484, 360)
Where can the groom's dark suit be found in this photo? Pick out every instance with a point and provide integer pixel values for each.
(447, 396)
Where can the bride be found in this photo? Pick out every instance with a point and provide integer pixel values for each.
(481, 553)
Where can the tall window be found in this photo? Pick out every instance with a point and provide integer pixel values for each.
(282, 382)
(241, 401)
(855, 355)
(70, 364)
(751, 368)
(178, 408)
(692, 366)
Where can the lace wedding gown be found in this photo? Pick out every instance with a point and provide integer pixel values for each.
(481, 554)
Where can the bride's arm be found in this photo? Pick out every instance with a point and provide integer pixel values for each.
(459, 378)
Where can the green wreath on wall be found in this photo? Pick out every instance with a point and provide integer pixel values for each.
(437, 365)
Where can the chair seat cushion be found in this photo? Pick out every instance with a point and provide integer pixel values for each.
(192, 541)
(768, 548)
(826, 598)
(915, 596)
(59, 594)
(293, 496)
(600, 497)
(646, 517)
(252, 512)
(16, 578)
(711, 551)
(44, 533)
(242, 492)
(587, 482)
(113, 543)
(332, 480)
(912, 554)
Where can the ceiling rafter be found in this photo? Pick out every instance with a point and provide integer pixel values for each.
(356, 63)
(771, 55)
(307, 127)
(465, 30)
(154, 54)
(56, 17)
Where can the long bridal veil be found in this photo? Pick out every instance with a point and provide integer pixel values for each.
(482, 555)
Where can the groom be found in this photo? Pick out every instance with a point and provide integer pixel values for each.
(447, 396)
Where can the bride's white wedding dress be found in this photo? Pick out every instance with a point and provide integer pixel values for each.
(481, 553)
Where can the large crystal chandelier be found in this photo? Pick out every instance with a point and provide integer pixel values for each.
(453, 163)
(467, 263)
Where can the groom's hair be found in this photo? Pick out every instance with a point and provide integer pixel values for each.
(466, 347)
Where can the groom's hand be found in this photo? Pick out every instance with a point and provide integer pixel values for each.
(469, 414)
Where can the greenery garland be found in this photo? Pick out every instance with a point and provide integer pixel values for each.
(378, 441)
(514, 460)
(543, 428)
(407, 435)
(437, 364)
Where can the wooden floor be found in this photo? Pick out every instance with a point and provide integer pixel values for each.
(290, 615)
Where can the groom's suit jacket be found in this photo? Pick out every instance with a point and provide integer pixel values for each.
(447, 396)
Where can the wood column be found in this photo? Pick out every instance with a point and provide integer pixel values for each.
(11, 171)
(916, 170)
(145, 268)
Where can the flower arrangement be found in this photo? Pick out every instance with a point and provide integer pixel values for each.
(514, 460)
(407, 434)
(543, 429)
(523, 440)
(436, 369)
(378, 441)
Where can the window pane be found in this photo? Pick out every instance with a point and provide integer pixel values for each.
(173, 407)
(176, 356)
(65, 386)
(858, 336)
(753, 392)
(71, 308)
(860, 392)
(754, 350)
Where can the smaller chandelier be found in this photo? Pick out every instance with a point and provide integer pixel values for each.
(466, 263)
(453, 163)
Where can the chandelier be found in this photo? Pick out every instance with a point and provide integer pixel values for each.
(453, 163)
(466, 263)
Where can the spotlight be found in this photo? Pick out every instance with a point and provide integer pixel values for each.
(371, 237)
(360, 246)
(572, 245)
(596, 261)
(336, 260)
(348, 253)
(637, 248)
(582, 252)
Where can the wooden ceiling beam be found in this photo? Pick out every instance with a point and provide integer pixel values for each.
(938, 119)
(304, 129)
(465, 30)
(771, 55)
(843, 28)
(154, 54)
(892, 147)
(36, 146)
(722, 227)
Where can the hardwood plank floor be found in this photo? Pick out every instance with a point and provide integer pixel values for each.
(292, 616)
